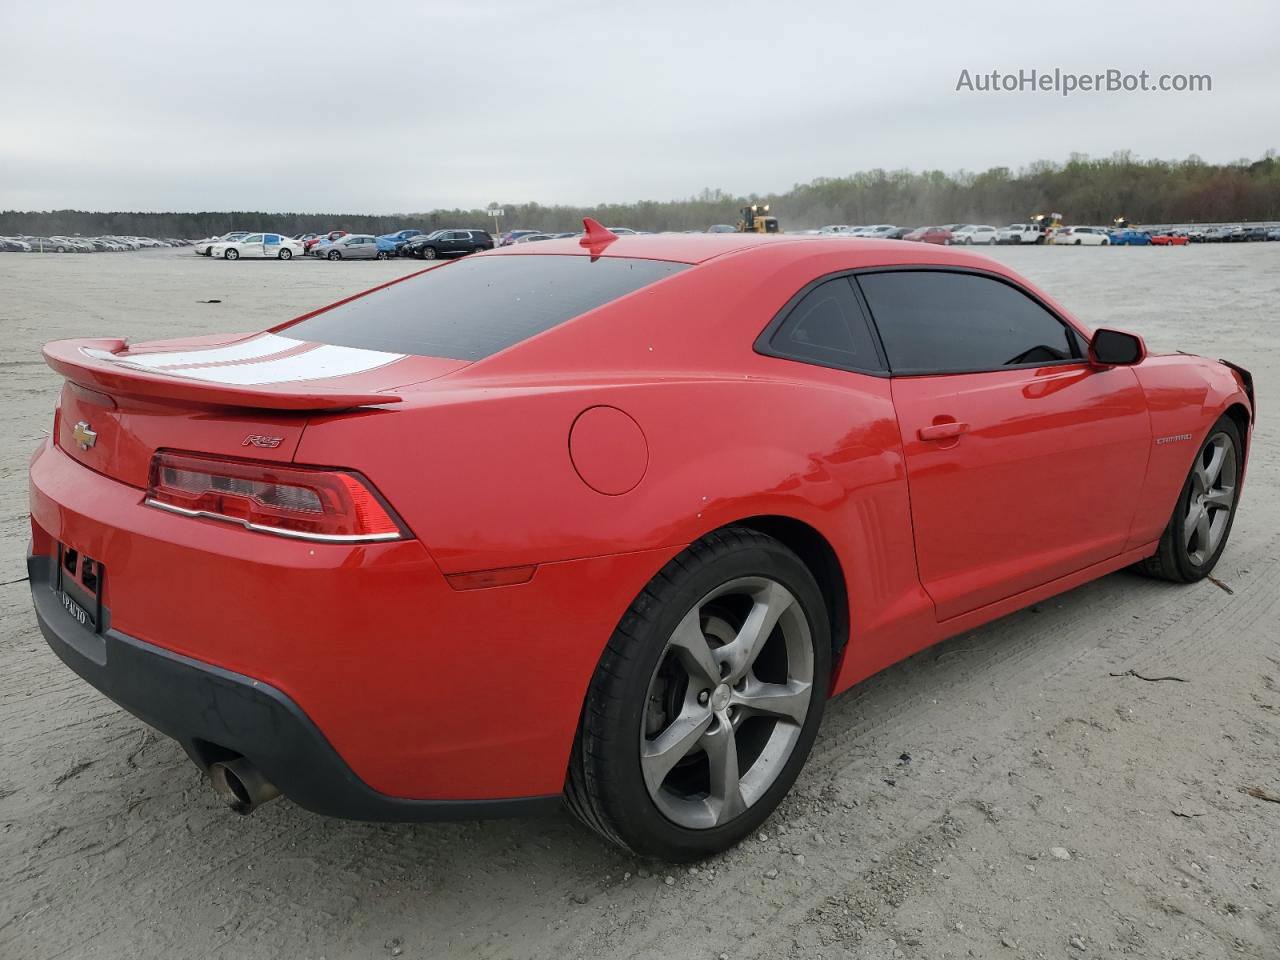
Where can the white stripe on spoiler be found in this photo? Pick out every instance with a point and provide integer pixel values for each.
(323, 361)
(317, 363)
(251, 349)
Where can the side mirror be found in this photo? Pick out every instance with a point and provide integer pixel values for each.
(1114, 348)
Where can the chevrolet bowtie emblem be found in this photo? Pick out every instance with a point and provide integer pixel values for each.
(82, 435)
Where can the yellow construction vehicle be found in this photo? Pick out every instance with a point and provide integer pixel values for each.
(1049, 224)
(756, 219)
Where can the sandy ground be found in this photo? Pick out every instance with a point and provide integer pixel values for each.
(1048, 809)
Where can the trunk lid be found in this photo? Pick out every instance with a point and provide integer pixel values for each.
(249, 398)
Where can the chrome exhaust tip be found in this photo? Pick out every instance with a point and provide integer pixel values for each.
(240, 785)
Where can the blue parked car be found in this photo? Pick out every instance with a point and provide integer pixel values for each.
(389, 245)
(398, 239)
(1130, 238)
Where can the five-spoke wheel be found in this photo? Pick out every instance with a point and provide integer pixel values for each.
(1201, 522)
(706, 700)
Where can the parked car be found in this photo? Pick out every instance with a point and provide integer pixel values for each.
(1273, 233)
(568, 609)
(202, 247)
(511, 236)
(1254, 232)
(722, 228)
(899, 233)
(258, 246)
(48, 245)
(398, 239)
(878, 232)
(535, 237)
(972, 233)
(938, 235)
(352, 246)
(1082, 237)
(452, 243)
(1020, 233)
(1130, 237)
(320, 238)
(1169, 238)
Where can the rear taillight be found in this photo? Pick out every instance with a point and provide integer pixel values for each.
(309, 503)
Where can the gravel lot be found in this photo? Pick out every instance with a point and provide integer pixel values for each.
(1001, 794)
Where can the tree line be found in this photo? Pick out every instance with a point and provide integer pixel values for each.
(1083, 190)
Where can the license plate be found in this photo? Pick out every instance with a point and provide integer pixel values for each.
(79, 587)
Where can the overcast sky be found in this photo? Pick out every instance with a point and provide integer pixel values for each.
(387, 106)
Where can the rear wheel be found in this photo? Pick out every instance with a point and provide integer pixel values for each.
(706, 701)
(1201, 522)
(285, 254)
(429, 253)
(383, 255)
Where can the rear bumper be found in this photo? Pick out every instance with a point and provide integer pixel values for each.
(365, 652)
(216, 714)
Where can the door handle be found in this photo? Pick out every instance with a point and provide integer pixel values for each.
(943, 431)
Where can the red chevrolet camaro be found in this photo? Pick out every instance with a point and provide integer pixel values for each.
(603, 521)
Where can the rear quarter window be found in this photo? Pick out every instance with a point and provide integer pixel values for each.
(473, 308)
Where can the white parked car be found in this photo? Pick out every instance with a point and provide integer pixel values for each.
(1020, 233)
(272, 246)
(878, 230)
(975, 233)
(1082, 237)
(835, 228)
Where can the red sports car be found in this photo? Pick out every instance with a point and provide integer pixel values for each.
(600, 520)
(939, 235)
(1168, 240)
(323, 238)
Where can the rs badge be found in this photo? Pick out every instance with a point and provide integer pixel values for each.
(82, 435)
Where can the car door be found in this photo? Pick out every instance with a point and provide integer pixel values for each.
(1024, 461)
(271, 244)
(251, 246)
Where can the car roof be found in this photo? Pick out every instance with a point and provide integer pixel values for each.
(695, 248)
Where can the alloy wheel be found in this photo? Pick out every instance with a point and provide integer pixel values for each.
(1210, 497)
(727, 702)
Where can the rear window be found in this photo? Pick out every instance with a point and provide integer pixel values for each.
(473, 308)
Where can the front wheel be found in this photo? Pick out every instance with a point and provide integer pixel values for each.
(231, 254)
(334, 255)
(1201, 522)
(705, 702)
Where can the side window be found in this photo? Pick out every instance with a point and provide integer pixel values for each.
(273, 238)
(943, 322)
(827, 327)
(254, 238)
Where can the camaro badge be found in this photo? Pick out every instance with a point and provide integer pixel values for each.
(82, 435)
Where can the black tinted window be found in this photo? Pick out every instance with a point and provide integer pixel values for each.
(477, 306)
(827, 327)
(952, 322)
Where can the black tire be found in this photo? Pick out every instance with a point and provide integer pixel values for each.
(429, 253)
(285, 254)
(334, 255)
(383, 255)
(231, 254)
(605, 786)
(1173, 559)
(478, 250)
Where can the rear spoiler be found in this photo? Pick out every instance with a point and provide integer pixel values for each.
(83, 362)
